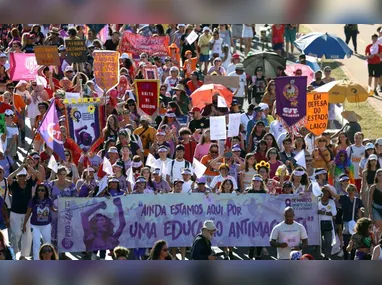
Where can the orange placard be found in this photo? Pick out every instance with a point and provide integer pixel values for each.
(47, 55)
(317, 112)
(106, 69)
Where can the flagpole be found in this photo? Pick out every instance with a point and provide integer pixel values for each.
(35, 133)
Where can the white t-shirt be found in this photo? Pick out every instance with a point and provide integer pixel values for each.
(219, 179)
(226, 63)
(217, 47)
(171, 82)
(162, 166)
(177, 169)
(290, 234)
(187, 187)
(330, 207)
(356, 153)
(242, 83)
(231, 68)
(276, 128)
(244, 119)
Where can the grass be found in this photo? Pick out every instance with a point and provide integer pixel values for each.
(371, 122)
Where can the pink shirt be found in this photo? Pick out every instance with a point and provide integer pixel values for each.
(201, 150)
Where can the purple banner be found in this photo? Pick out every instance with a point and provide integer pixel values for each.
(137, 221)
(291, 98)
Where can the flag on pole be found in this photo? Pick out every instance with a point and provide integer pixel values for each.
(106, 166)
(102, 184)
(198, 167)
(52, 164)
(50, 131)
(300, 158)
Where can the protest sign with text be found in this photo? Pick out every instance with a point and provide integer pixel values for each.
(137, 221)
(106, 69)
(147, 91)
(317, 112)
(23, 66)
(47, 55)
(76, 51)
(136, 44)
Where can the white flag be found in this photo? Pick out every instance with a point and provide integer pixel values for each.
(130, 176)
(316, 189)
(222, 102)
(300, 158)
(41, 81)
(52, 164)
(106, 167)
(234, 125)
(151, 161)
(198, 167)
(102, 184)
(192, 37)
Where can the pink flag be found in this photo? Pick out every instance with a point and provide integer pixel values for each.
(104, 33)
(23, 66)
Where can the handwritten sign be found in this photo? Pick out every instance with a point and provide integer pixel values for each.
(137, 221)
(227, 81)
(234, 125)
(317, 112)
(106, 69)
(76, 51)
(147, 95)
(47, 55)
(218, 128)
(192, 37)
(136, 44)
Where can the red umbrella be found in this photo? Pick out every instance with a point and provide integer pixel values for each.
(203, 95)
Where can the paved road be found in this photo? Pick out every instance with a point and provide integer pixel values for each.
(354, 67)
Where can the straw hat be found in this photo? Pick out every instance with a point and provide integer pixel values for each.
(321, 137)
(179, 87)
(351, 116)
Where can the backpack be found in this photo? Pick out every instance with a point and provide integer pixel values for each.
(187, 165)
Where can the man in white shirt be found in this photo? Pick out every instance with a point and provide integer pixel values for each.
(174, 168)
(243, 90)
(288, 235)
(163, 160)
(246, 117)
(355, 153)
(235, 60)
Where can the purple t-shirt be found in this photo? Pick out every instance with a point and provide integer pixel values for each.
(41, 215)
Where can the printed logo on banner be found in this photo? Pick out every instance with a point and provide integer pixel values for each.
(54, 132)
(31, 64)
(291, 98)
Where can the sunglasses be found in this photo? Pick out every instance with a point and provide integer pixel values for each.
(67, 154)
(213, 152)
(131, 104)
(309, 160)
(9, 116)
(322, 141)
(272, 152)
(41, 190)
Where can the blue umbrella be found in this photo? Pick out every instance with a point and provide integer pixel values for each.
(320, 44)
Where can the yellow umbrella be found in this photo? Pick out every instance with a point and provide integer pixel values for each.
(339, 90)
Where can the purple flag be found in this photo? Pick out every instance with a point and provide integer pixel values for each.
(291, 98)
(50, 131)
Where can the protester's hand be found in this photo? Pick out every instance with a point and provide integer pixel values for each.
(2, 257)
(24, 230)
(283, 245)
(211, 257)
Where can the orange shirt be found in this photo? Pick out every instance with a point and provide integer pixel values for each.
(209, 171)
(192, 87)
(189, 66)
(321, 159)
(18, 102)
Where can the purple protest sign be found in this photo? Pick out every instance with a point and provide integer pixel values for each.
(137, 221)
(291, 98)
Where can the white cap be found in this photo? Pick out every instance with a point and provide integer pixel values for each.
(209, 225)
(186, 171)
(378, 141)
(68, 68)
(206, 29)
(369, 146)
(181, 25)
(124, 56)
(263, 106)
(9, 112)
(3, 55)
(373, 157)
(22, 172)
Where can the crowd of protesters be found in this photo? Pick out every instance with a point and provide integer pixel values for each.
(346, 165)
